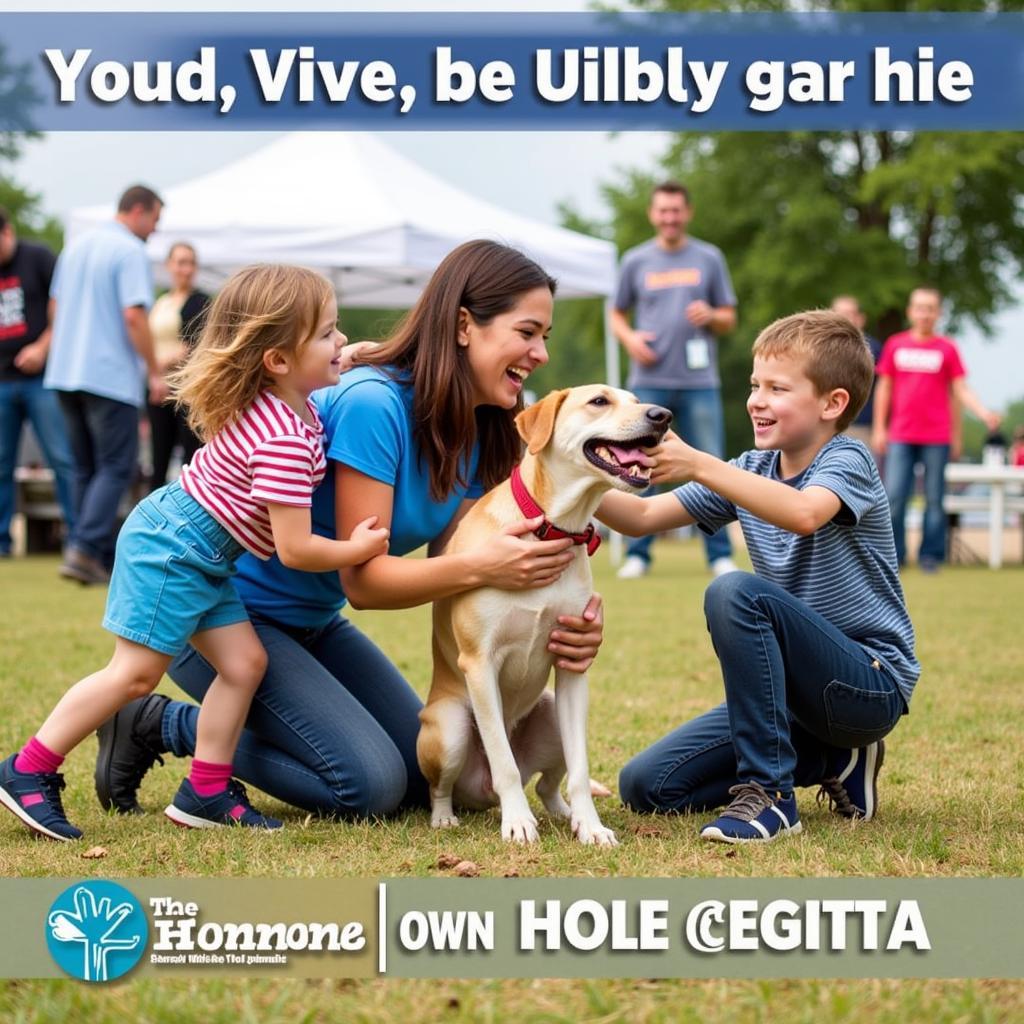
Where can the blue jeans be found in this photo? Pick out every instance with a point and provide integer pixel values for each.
(104, 437)
(797, 690)
(332, 728)
(22, 400)
(900, 461)
(697, 419)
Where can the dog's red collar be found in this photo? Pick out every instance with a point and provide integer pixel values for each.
(546, 530)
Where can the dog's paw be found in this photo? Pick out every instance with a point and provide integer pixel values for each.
(593, 833)
(519, 830)
(443, 820)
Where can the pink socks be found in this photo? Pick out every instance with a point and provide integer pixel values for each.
(209, 779)
(36, 758)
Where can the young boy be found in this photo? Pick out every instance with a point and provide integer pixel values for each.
(816, 647)
(916, 419)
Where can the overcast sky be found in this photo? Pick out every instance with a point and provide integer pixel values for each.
(529, 172)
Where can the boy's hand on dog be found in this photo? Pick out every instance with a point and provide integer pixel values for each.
(509, 562)
(578, 638)
(675, 460)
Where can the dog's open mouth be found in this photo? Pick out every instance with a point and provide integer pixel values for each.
(623, 459)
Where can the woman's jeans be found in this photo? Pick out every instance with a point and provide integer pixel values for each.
(900, 461)
(332, 728)
(798, 692)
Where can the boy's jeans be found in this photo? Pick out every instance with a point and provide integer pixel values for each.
(900, 460)
(697, 419)
(796, 689)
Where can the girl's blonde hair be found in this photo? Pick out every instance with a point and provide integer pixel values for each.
(260, 308)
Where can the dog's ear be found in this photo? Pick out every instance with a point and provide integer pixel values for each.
(536, 424)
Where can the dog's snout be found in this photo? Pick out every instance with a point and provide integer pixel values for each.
(659, 417)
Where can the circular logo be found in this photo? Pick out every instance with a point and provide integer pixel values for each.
(96, 931)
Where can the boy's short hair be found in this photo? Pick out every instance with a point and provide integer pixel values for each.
(834, 350)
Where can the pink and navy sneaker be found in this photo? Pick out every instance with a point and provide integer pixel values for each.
(231, 807)
(35, 798)
(754, 816)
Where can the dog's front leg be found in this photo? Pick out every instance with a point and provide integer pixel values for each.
(571, 700)
(517, 821)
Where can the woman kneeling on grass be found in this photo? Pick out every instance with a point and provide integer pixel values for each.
(270, 340)
(413, 439)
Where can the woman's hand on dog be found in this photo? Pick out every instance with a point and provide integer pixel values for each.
(509, 562)
(578, 638)
(675, 460)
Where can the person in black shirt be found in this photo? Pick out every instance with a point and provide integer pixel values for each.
(25, 272)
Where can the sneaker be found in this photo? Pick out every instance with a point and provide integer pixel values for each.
(35, 798)
(633, 568)
(720, 566)
(83, 568)
(231, 807)
(852, 785)
(754, 817)
(929, 566)
(130, 742)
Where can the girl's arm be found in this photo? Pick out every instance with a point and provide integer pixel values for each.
(299, 548)
(387, 581)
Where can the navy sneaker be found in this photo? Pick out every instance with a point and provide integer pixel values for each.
(851, 787)
(754, 816)
(35, 798)
(231, 807)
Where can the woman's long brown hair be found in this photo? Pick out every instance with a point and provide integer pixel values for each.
(486, 279)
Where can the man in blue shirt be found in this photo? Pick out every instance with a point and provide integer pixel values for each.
(681, 298)
(101, 353)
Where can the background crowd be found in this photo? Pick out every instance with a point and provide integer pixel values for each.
(85, 346)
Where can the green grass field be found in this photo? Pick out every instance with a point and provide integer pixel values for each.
(950, 805)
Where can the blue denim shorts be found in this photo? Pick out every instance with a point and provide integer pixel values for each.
(172, 573)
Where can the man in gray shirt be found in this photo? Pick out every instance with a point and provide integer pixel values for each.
(679, 292)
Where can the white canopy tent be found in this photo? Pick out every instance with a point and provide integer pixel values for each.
(373, 221)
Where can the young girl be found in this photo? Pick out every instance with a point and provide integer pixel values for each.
(270, 340)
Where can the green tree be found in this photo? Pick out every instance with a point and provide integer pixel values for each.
(27, 216)
(802, 216)
(17, 97)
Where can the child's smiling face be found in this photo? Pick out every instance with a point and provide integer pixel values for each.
(785, 408)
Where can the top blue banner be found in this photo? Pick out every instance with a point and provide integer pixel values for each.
(626, 72)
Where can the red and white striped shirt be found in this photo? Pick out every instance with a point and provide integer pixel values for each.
(267, 455)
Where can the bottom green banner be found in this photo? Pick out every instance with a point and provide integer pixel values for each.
(101, 930)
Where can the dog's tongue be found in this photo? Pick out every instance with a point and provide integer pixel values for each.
(630, 456)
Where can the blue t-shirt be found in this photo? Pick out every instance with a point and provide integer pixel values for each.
(368, 426)
(98, 277)
(846, 570)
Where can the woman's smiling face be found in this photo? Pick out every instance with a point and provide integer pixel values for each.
(505, 351)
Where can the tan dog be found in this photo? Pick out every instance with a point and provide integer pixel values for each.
(491, 661)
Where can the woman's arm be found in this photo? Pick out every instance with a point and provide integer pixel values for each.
(388, 581)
